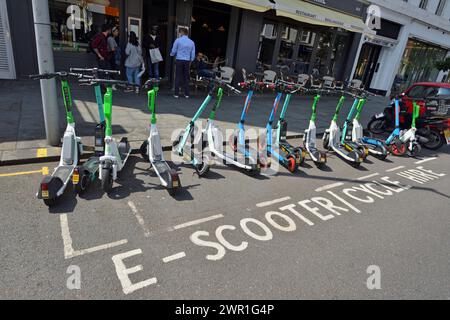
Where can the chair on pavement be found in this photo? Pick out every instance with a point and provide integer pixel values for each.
(302, 80)
(315, 83)
(329, 83)
(269, 77)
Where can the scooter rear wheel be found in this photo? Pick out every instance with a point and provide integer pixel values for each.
(144, 150)
(82, 185)
(398, 148)
(416, 148)
(326, 141)
(50, 202)
(292, 164)
(382, 155)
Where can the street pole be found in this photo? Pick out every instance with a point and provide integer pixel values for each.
(46, 64)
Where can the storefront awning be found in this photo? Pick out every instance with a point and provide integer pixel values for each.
(255, 5)
(314, 14)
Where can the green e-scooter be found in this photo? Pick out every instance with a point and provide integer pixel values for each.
(317, 156)
(53, 186)
(151, 149)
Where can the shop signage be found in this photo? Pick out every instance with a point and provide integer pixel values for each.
(352, 7)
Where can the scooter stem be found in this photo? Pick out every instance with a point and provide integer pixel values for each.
(314, 108)
(416, 113)
(287, 100)
(275, 107)
(338, 108)
(247, 105)
(216, 106)
(98, 97)
(151, 104)
(108, 112)
(361, 104)
(67, 101)
(397, 112)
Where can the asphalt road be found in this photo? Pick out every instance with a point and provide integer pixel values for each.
(313, 235)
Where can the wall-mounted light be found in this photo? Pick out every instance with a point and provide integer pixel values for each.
(221, 28)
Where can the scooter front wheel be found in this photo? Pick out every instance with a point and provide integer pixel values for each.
(202, 169)
(107, 180)
(415, 149)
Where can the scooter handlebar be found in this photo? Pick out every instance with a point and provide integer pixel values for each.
(95, 70)
(62, 74)
(92, 82)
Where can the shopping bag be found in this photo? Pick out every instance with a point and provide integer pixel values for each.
(155, 55)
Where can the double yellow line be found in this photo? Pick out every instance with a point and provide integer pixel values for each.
(43, 171)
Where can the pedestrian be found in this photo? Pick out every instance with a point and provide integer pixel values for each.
(201, 68)
(152, 45)
(99, 46)
(184, 51)
(113, 49)
(134, 62)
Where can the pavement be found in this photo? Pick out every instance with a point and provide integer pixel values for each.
(22, 132)
(318, 234)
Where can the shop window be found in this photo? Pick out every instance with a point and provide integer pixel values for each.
(417, 65)
(89, 16)
(266, 46)
(305, 49)
(288, 41)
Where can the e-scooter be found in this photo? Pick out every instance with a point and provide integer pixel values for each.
(53, 186)
(88, 172)
(239, 143)
(152, 151)
(318, 157)
(215, 136)
(187, 150)
(290, 158)
(332, 140)
(282, 125)
(376, 147)
(348, 143)
(408, 137)
(116, 154)
(393, 142)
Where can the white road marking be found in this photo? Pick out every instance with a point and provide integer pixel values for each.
(196, 222)
(269, 203)
(174, 257)
(139, 218)
(329, 186)
(69, 251)
(395, 169)
(425, 160)
(369, 176)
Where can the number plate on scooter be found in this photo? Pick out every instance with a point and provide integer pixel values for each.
(447, 135)
(380, 115)
(45, 195)
(176, 184)
(75, 179)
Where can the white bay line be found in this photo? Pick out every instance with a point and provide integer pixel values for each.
(425, 160)
(139, 218)
(330, 186)
(174, 257)
(269, 203)
(395, 169)
(99, 248)
(69, 252)
(369, 176)
(196, 222)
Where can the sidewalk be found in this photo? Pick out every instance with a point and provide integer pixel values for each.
(22, 132)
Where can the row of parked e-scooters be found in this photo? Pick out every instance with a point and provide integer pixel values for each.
(349, 142)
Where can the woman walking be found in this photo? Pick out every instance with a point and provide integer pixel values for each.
(134, 62)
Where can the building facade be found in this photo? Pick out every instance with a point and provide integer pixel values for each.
(413, 35)
(319, 37)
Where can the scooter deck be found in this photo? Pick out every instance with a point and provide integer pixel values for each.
(64, 173)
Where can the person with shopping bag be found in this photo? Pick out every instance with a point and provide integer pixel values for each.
(152, 45)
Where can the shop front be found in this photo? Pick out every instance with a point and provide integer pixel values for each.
(418, 64)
